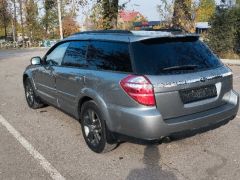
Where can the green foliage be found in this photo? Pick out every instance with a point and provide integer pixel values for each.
(183, 15)
(224, 36)
(205, 10)
(5, 16)
(110, 13)
(50, 18)
(104, 14)
(33, 27)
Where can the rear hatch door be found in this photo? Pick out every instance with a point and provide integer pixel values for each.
(187, 77)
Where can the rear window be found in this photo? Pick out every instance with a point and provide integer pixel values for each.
(112, 56)
(171, 56)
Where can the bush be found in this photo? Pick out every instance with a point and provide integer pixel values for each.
(224, 35)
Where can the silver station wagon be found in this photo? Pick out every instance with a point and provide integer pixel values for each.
(141, 84)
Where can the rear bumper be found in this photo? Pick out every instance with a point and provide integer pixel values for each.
(148, 124)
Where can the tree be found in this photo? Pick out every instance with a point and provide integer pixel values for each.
(224, 35)
(95, 20)
(14, 20)
(33, 28)
(165, 10)
(5, 16)
(104, 13)
(69, 26)
(21, 16)
(183, 15)
(110, 13)
(50, 18)
(205, 10)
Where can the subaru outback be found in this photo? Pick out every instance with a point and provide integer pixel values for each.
(141, 84)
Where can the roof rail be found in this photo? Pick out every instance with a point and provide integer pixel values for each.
(105, 31)
(166, 29)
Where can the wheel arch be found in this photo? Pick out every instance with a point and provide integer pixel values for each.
(25, 76)
(89, 94)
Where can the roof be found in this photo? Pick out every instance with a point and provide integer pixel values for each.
(127, 16)
(126, 36)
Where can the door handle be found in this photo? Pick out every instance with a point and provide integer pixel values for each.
(78, 78)
(75, 78)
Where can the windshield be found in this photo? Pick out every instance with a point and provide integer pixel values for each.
(172, 55)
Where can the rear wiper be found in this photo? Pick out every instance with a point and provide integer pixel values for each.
(183, 67)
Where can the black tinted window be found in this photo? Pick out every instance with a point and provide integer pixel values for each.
(55, 57)
(173, 56)
(109, 56)
(75, 54)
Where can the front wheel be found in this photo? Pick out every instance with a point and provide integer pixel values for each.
(95, 132)
(33, 101)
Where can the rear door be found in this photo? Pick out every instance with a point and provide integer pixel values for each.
(70, 77)
(186, 76)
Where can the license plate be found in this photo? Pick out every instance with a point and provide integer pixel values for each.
(197, 94)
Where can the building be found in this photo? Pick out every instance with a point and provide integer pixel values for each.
(127, 18)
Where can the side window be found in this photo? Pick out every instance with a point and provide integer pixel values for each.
(76, 54)
(112, 56)
(55, 57)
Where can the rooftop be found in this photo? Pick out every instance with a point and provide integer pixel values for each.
(128, 16)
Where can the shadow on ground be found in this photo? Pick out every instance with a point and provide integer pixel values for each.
(152, 168)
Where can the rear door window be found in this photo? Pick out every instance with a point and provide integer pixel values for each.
(75, 54)
(176, 55)
(112, 56)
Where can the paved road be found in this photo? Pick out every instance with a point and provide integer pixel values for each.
(58, 139)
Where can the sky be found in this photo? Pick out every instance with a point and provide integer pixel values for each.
(147, 8)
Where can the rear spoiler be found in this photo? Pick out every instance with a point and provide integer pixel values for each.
(175, 38)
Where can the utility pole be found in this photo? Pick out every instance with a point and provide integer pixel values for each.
(60, 19)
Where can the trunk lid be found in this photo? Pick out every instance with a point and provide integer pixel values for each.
(183, 94)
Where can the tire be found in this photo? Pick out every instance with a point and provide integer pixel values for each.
(95, 132)
(32, 100)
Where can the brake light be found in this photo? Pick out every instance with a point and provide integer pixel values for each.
(139, 88)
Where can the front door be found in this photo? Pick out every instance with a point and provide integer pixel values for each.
(45, 78)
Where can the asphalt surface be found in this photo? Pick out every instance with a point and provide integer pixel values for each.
(57, 137)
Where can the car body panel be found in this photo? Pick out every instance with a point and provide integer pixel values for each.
(66, 87)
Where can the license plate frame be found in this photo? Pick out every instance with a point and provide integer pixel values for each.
(198, 94)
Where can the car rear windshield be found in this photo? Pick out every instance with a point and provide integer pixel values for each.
(172, 56)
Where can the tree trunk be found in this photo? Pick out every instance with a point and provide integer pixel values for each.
(21, 18)
(15, 19)
(4, 19)
(110, 13)
(5, 29)
(114, 13)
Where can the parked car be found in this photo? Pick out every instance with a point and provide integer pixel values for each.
(140, 84)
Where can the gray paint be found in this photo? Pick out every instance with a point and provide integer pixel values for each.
(64, 87)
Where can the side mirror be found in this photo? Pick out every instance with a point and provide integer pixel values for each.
(36, 60)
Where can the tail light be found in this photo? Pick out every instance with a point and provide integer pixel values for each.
(139, 88)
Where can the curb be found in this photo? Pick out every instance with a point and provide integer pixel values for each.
(231, 61)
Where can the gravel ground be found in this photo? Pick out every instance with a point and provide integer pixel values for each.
(57, 137)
